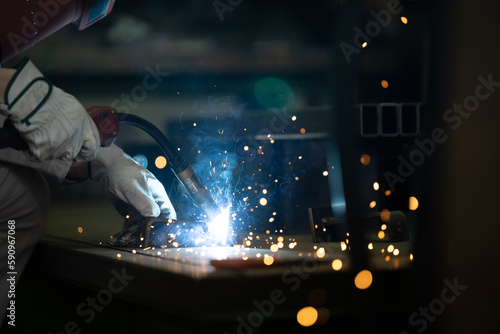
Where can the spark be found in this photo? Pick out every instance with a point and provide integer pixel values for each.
(218, 227)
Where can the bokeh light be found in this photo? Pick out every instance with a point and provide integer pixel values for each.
(385, 215)
(141, 160)
(337, 264)
(307, 316)
(365, 159)
(317, 297)
(268, 260)
(323, 316)
(363, 279)
(274, 93)
(161, 162)
(413, 205)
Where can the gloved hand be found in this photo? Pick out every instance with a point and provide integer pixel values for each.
(129, 182)
(53, 124)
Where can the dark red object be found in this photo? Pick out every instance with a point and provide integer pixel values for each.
(25, 23)
(106, 120)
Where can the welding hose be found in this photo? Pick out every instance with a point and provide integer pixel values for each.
(181, 168)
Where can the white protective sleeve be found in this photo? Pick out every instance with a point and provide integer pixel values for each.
(54, 167)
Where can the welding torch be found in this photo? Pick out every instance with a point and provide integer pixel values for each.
(107, 120)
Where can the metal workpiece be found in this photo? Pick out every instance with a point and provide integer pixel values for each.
(215, 284)
(160, 232)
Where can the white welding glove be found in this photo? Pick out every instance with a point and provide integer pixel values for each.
(53, 124)
(131, 183)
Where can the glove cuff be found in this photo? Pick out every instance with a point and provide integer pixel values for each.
(26, 92)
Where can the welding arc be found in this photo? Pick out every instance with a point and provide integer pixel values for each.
(181, 168)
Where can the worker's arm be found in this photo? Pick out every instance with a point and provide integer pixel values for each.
(53, 124)
(126, 183)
